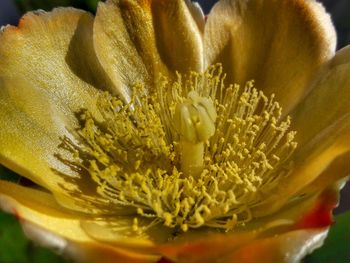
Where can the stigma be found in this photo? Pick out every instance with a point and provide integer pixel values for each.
(188, 153)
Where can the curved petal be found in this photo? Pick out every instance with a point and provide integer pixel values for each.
(338, 170)
(97, 253)
(322, 122)
(137, 41)
(278, 43)
(52, 226)
(83, 252)
(120, 231)
(290, 247)
(59, 230)
(327, 103)
(197, 13)
(205, 249)
(47, 69)
(42, 52)
(40, 208)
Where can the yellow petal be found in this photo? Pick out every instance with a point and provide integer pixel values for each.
(327, 103)
(50, 225)
(338, 170)
(47, 67)
(42, 52)
(278, 43)
(119, 231)
(322, 122)
(40, 208)
(35, 199)
(116, 231)
(136, 41)
(82, 252)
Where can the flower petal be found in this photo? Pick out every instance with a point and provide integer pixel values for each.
(57, 228)
(283, 248)
(290, 247)
(119, 231)
(327, 103)
(322, 122)
(97, 253)
(338, 170)
(40, 208)
(47, 69)
(278, 43)
(206, 248)
(82, 252)
(42, 51)
(197, 13)
(137, 41)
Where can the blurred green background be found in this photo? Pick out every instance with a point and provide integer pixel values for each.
(15, 248)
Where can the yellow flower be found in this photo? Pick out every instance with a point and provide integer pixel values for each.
(141, 150)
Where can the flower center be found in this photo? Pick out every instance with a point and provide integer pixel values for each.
(192, 153)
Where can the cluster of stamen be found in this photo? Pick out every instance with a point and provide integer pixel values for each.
(187, 154)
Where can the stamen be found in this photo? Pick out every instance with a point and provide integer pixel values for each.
(193, 153)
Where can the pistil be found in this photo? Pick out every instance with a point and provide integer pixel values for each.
(195, 121)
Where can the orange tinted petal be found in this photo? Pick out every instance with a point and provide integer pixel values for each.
(290, 247)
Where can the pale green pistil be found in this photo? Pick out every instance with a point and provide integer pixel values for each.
(195, 122)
